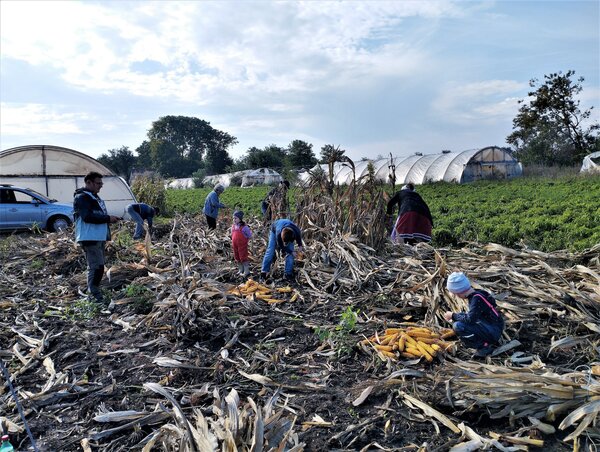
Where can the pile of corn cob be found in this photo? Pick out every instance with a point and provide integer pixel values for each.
(410, 342)
(252, 290)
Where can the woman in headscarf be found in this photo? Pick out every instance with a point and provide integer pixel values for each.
(414, 221)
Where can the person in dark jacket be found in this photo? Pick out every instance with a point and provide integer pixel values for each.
(276, 202)
(140, 212)
(92, 229)
(414, 222)
(283, 234)
(482, 326)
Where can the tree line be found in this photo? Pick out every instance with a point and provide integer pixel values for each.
(549, 129)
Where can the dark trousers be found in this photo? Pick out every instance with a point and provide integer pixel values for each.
(94, 255)
(476, 335)
(212, 222)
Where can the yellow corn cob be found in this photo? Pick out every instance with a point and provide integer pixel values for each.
(413, 351)
(391, 339)
(401, 343)
(424, 351)
(409, 355)
(420, 334)
(287, 289)
(427, 340)
(427, 347)
(389, 355)
(387, 348)
(410, 329)
(448, 334)
(410, 341)
(436, 347)
(393, 331)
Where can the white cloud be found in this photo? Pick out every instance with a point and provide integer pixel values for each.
(481, 101)
(37, 119)
(213, 48)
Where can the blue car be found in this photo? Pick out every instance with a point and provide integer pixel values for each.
(23, 208)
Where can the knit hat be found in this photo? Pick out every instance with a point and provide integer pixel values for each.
(458, 283)
(219, 188)
(239, 214)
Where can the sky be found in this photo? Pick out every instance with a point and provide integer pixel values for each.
(373, 78)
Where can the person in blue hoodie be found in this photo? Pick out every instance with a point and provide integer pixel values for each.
(482, 326)
(140, 212)
(92, 229)
(282, 237)
(212, 206)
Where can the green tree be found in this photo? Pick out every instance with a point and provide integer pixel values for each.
(216, 161)
(121, 161)
(271, 156)
(331, 153)
(144, 158)
(300, 155)
(167, 161)
(191, 139)
(549, 129)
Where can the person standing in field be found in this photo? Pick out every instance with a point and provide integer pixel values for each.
(140, 212)
(414, 222)
(212, 206)
(240, 235)
(282, 236)
(92, 230)
(276, 205)
(482, 326)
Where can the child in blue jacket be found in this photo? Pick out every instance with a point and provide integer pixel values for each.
(282, 236)
(482, 326)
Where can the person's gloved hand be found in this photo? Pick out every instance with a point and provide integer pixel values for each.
(448, 316)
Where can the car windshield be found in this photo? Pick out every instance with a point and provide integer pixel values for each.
(39, 195)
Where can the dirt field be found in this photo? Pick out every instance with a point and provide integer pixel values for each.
(93, 378)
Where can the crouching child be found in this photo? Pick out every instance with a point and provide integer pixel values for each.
(482, 326)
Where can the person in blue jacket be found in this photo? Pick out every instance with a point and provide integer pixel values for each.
(92, 229)
(212, 206)
(482, 326)
(282, 236)
(140, 212)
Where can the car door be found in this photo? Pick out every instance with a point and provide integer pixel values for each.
(7, 202)
(24, 212)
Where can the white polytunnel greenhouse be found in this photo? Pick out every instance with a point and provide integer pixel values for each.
(591, 163)
(57, 172)
(467, 166)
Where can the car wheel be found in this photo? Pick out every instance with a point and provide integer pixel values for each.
(58, 223)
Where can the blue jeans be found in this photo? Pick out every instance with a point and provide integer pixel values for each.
(476, 335)
(139, 223)
(288, 250)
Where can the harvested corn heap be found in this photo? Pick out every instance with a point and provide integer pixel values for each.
(412, 342)
(252, 290)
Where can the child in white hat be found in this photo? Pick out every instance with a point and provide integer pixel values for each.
(482, 326)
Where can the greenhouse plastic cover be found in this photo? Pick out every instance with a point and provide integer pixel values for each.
(591, 163)
(57, 172)
(419, 169)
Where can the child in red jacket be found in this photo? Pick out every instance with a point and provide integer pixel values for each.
(240, 235)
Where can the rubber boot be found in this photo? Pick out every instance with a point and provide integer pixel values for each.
(245, 269)
(94, 278)
(240, 269)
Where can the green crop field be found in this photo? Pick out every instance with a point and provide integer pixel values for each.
(541, 213)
